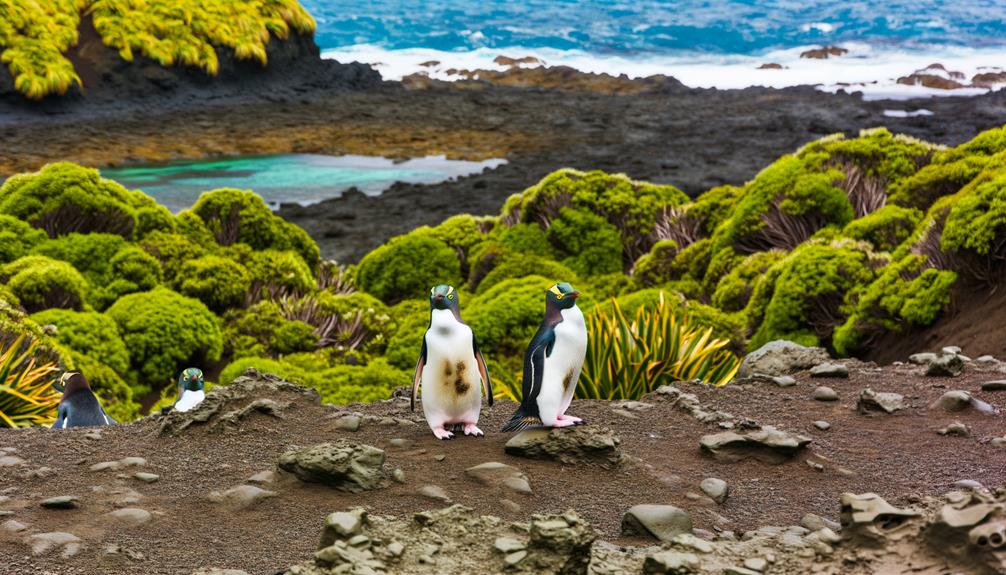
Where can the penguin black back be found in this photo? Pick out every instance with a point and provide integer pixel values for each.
(79, 406)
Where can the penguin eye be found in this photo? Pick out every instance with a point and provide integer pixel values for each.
(450, 296)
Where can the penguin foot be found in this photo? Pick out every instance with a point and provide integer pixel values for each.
(443, 434)
(575, 420)
(563, 423)
(470, 429)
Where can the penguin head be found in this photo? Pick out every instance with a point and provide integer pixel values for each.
(191, 380)
(444, 297)
(71, 382)
(561, 295)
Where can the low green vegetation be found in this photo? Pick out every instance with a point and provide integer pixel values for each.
(36, 36)
(844, 241)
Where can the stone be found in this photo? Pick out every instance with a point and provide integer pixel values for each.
(998, 442)
(13, 526)
(216, 571)
(781, 357)
(146, 477)
(951, 350)
(131, 515)
(132, 462)
(814, 522)
(500, 475)
(734, 570)
(716, 489)
(955, 400)
(512, 559)
(870, 519)
(661, 522)
(946, 365)
(434, 492)
(398, 475)
(693, 542)
(241, 496)
(399, 442)
(824, 393)
(10, 461)
(342, 525)
(924, 358)
(395, 549)
(985, 359)
(870, 400)
(957, 429)
(670, 563)
(61, 502)
(508, 545)
(829, 370)
(570, 445)
(784, 381)
(348, 423)
(756, 564)
(560, 543)
(768, 444)
(822, 425)
(341, 465)
(117, 465)
(45, 543)
(997, 385)
(263, 477)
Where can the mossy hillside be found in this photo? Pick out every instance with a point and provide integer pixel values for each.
(36, 36)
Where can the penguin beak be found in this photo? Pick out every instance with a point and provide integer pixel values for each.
(438, 297)
(574, 295)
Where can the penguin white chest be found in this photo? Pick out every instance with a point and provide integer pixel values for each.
(562, 367)
(189, 399)
(451, 375)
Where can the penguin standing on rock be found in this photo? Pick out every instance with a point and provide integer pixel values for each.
(79, 406)
(552, 363)
(451, 368)
(191, 389)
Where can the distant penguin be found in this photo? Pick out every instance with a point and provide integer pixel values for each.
(552, 363)
(191, 389)
(79, 406)
(450, 368)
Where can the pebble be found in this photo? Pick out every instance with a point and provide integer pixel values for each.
(266, 476)
(399, 442)
(946, 365)
(822, 425)
(756, 564)
(999, 442)
(997, 385)
(61, 502)
(829, 370)
(396, 549)
(398, 475)
(784, 381)
(716, 489)
(146, 477)
(511, 506)
(440, 457)
(13, 526)
(513, 559)
(985, 359)
(924, 358)
(242, 495)
(131, 515)
(957, 429)
(434, 492)
(348, 423)
(671, 562)
(10, 461)
(662, 522)
(824, 393)
(951, 350)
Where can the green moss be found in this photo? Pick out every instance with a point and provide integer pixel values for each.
(885, 228)
(976, 221)
(876, 152)
(340, 384)
(17, 238)
(88, 333)
(713, 207)
(172, 251)
(166, 332)
(375, 320)
(155, 218)
(63, 198)
(656, 267)
(692, 262)
(41, 283)
(218, 282)
(407, 267)
(733, 291)
(518, 265)
(505, 317)
(262, 331)
(412, 318)
(590, 244)
(279, 272)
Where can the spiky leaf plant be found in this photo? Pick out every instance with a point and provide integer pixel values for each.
(27, 397)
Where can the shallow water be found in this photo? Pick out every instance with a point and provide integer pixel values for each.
(286, 178)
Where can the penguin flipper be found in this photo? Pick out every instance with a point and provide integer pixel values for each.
(487, 384)
(418, 375)
(534, 367)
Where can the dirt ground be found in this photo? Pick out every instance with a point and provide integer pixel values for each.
(899, 456)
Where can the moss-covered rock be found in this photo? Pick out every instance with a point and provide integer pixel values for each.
(41, 283)
(407, 267)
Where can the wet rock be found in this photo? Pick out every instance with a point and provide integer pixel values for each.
(870, 520)
(661, 522)
(67, 544)
(823, 53)
(935, 76)
(822, 425)
(434, 492)
(768, 444)
(957, 429)
(671, 563)
(836, 370)
(61, 502)
(570, 445)
(500, 475)
(343, 525)
(262, 477)
(924, 358)
(946, 365)
(824, 393)
(341, 465)
(771, 66)
(997, 385)
(870, 400)
(781, 357)
(241, 496)
(716, 489)
(146, 477)
(131, 515)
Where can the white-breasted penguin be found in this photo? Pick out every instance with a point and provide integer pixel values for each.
(451, 368)
(191, 389)
(79, 407)
(552, 363)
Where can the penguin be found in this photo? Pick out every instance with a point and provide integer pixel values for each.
(79, 406)
(191, 389)
(450, 367)
(552, 363)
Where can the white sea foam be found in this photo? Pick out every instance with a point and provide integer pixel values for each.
(907, 114)
(866, 69)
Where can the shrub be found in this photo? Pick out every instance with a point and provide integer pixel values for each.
(172, 251)
(218, 282)
(591, 245)
(975, 227)
(155, 218)
(408, 266)
(362, 322)
(885, 228)
(34, 36)
(42, 283)
(63, 198)
(413, 319)
(263, 331)
(17, 238)
(165, 332)
(27, 397)
(88, 333)
(238, 216)
(656, 267)
(275, 273)
(505, 317)
(733, 291)
(517, 266)
(340, 384)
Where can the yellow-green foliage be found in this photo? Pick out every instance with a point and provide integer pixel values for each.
(408, 266)
(976, 221)
(218, 282)
(27, 397)
(36, 35)
(885, 228)
(733, 291)
(41, 283)
(17, 238)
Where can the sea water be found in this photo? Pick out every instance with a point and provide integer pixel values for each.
(286, 178)
(703, 43)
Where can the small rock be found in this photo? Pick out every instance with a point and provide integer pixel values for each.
(922, 358)
(998, 442)
(985, 359)
(780, 357)
(693, 542)
(508, 545)
(262, 477)
(342, 465)
(784, 381)
(670, 563)
(434, 492)
(131, 515)
(969, 484)
(342, 525)
(829, 370)
(946, 365)
(440, 457)
(824, 393)
(756, 564)
(500, 475)
(132, 462)
(662, 522)
(395, 549)
(957, 429)
(951, 350)
(512, 559)
(955, 400)
(146, 477)
(359, 541)
(399, 442)
(816, 466)
(870, 400)
(822, 425)
(241, 496)
(13, 526)
(814, 522)
(511, 506)
(348, 423)
(997, 385)
(44, 543)
(61, 502)
(767, 444)
(734, 570)
(716, 489)
(398, 475)
(10, 461)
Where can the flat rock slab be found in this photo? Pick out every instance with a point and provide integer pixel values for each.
(570, 445)
(768, 444)
(242, 496)
(661, 522)
(870, 400)
(44, 543)
(781, 357)
(836, 370)
(997, 385)
(341, 465)
(61, 502)
(131, 515)
(497, 474)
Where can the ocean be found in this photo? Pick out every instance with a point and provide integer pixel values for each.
(703, 43)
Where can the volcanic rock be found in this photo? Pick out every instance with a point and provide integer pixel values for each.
(781, 357)
(570, 445)
(342, 465)
(870, 400)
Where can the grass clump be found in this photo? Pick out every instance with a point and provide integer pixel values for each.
(27, 397)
